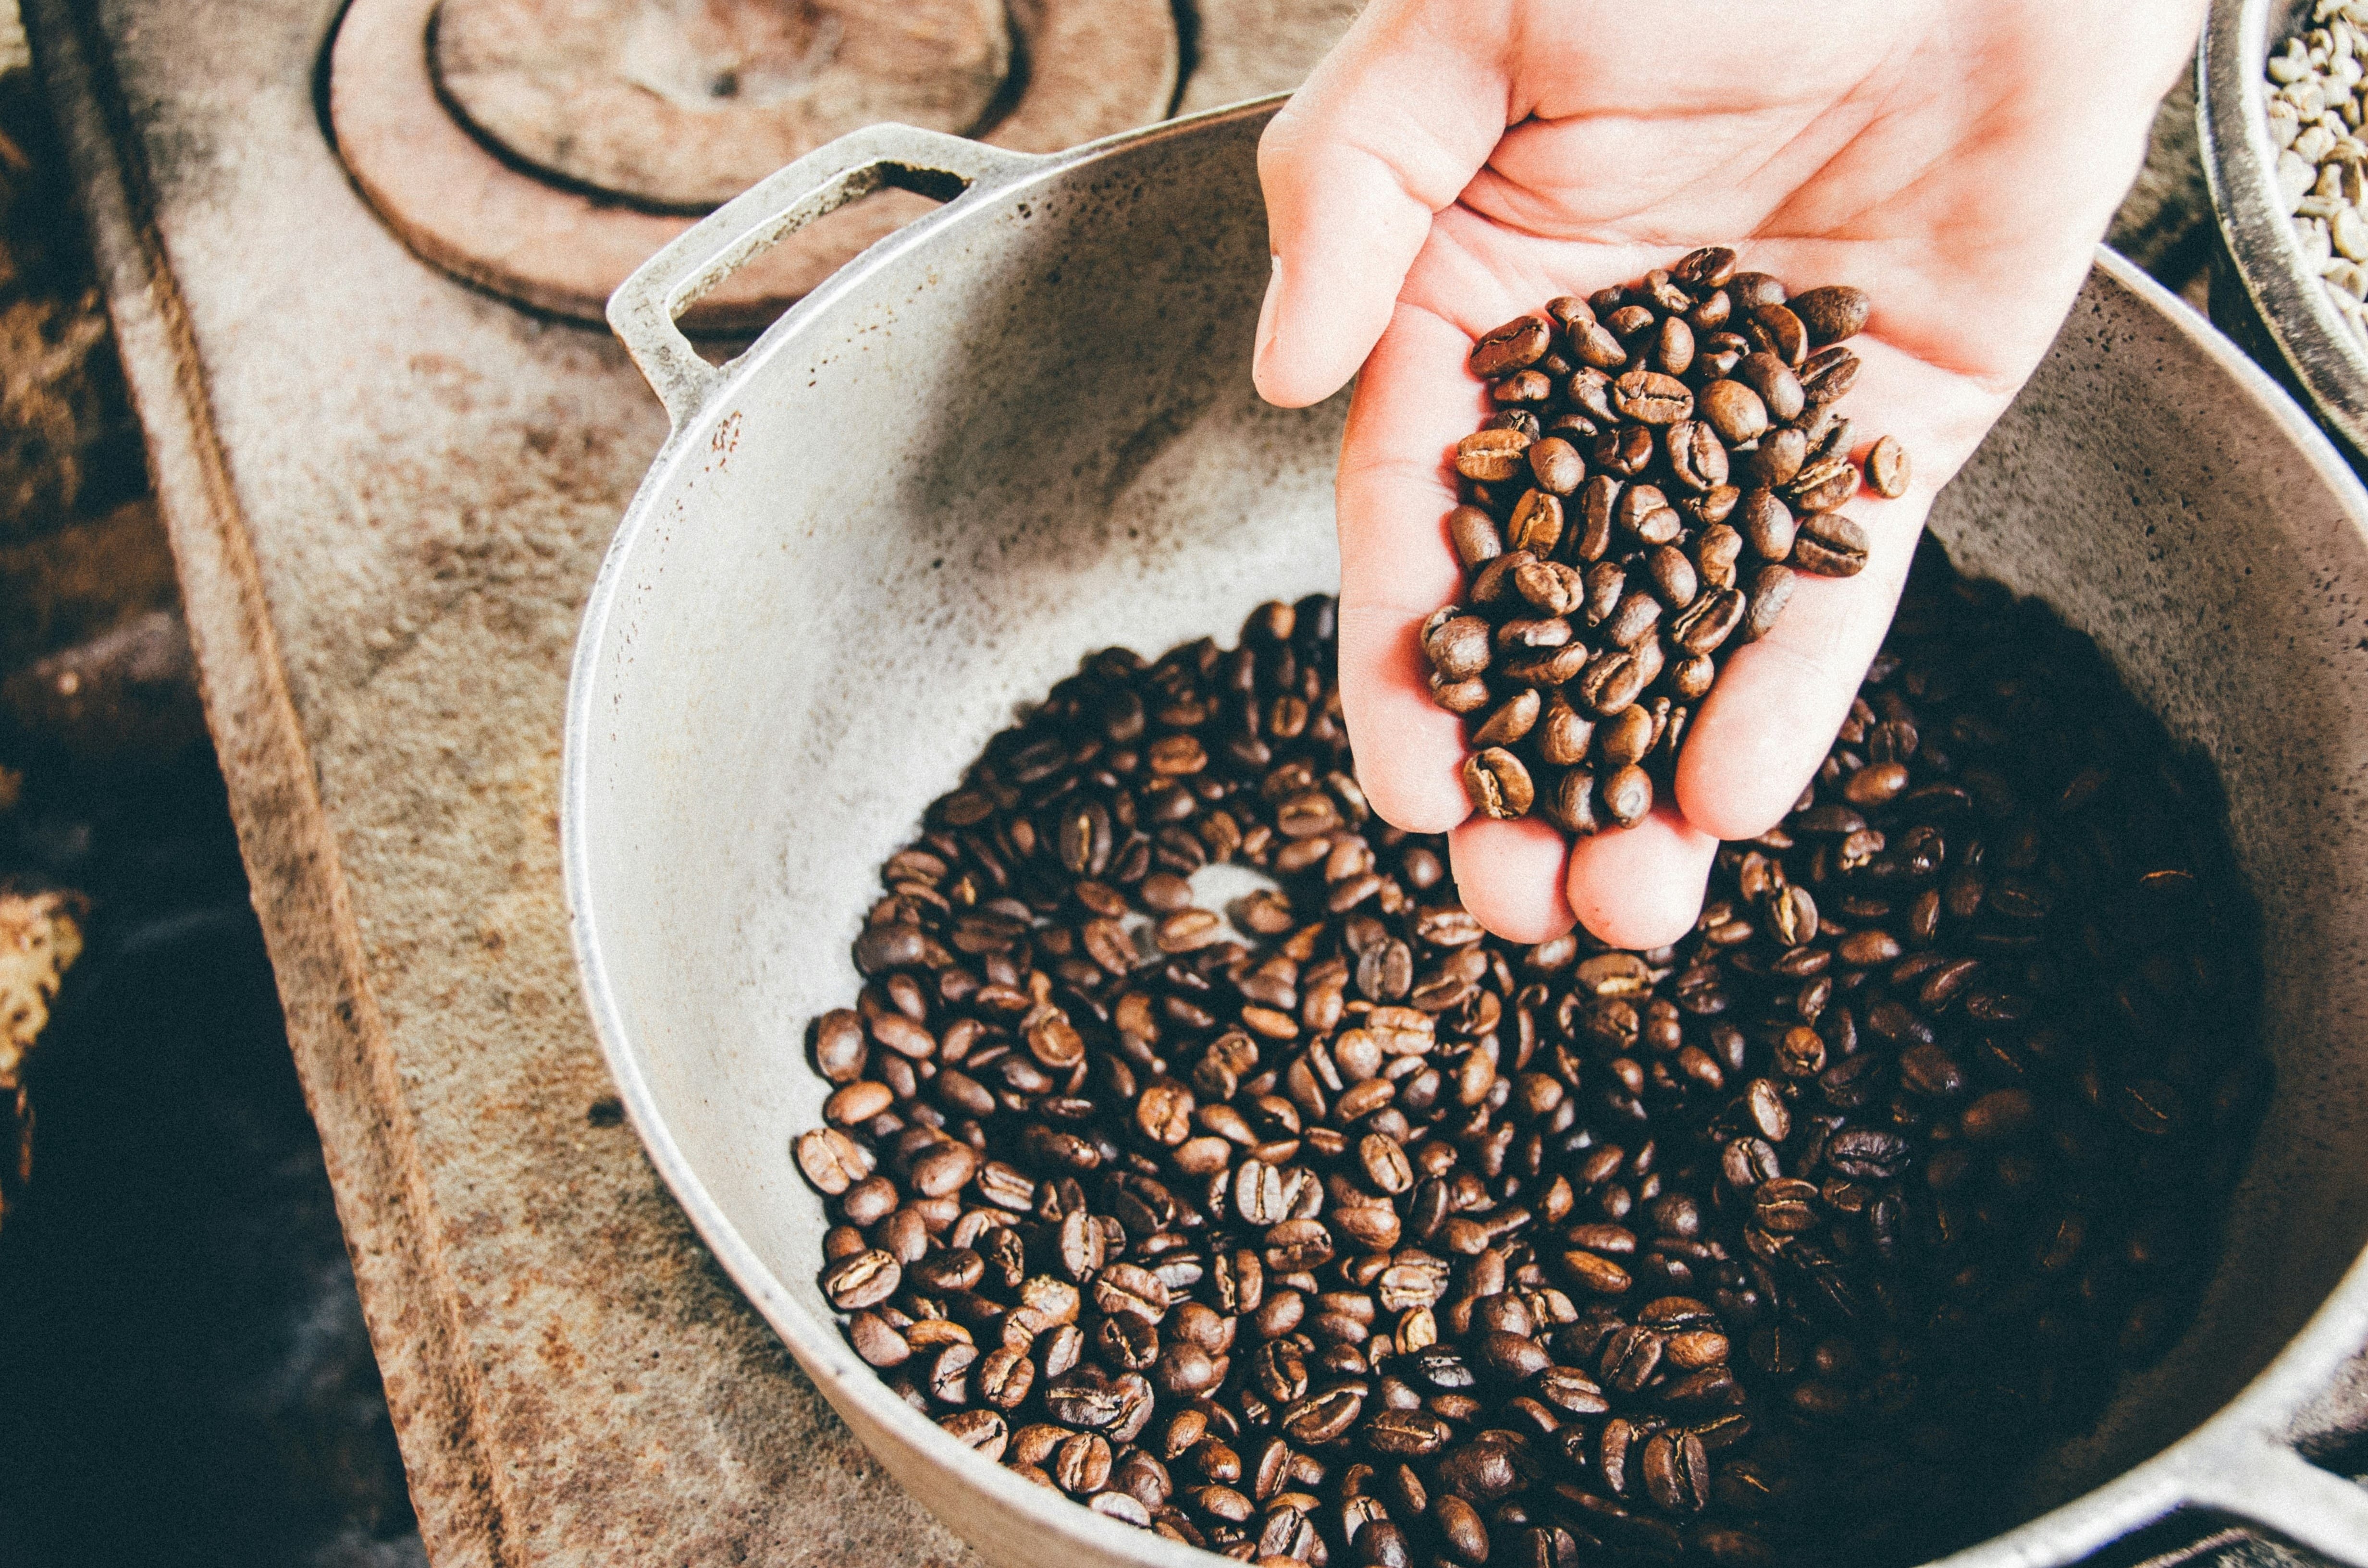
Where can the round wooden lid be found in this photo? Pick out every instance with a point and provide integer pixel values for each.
(683, 104)
(532, 219)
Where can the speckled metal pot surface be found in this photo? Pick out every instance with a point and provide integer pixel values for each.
(1023, 428)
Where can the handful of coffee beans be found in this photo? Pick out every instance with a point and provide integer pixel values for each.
(1664, 459)
(1325, 1228)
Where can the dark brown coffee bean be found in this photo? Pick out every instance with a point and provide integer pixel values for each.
(1569, 312)
(1708, 623)
(1513, 719)
(1697, 459)
(1677, 1473)
(1624, 452)
(1497, 784)
(1458, 646)
(1616, 678)
(864, 1279)
(1626, 797)
(877, 1342)
(1709, 268)
(1832, 313)
(1823, 483)
(1648, 397)
(1556, 466)
(1477, 1471)
(1672, 576)
(1630, 1357)
(1630, 622)
(1829, 545)
(1774, 329)
(1537, 523)
(1772, 590)
(1321, 1419)
(1752, 291)
(1492, 456)
(839, 1046)
(831, 1160)
(1767, 525)
(1734, 410)
(1459, 696)
(1770, 376)
(1382, 1543)
(1673, 347)
(1549, 587)
(1625, 737)
(1690, 678)
(1514, 1357)
(1515, 346)
(1523, 386)
(1826, 375)
(1887, 468)
(1528, 632)
(1631, 322)
(1716, 552)
(1779, 458)
(1475, 536)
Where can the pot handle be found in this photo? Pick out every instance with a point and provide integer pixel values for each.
(645, 309)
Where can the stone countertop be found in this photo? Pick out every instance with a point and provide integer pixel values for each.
(388, 496)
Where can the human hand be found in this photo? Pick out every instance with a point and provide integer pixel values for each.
(1453, 163)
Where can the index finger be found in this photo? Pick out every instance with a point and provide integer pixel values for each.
(1414, 401)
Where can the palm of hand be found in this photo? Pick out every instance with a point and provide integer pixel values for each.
(1943, 190)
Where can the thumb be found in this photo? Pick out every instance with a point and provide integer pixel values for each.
(1387, 132)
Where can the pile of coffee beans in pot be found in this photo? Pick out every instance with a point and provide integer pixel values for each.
(1325, 1228)
(1664, 459)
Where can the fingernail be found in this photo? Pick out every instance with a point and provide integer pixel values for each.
(1266, 325)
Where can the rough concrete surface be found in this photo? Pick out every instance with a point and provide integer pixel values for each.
(387, 497)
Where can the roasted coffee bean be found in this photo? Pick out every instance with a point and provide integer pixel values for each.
(1825, 377)
(1697, 459)
(1832, 313)
(1475, 537)
(1772, 590)
(1778, 460)
(1677, 1473)
(1708, 623)
(1649, 397)
(1626, 797)
(1734, 410)
(1342, 1207)
(1775, 330)
(1497, 783)
(1492, 456)
(1515, 346)
(1556, 466)
(1537, 523)
(1829, 545)
(864, 1279)
(1766, 524)
(1886, 468)
(1823, 483)
(1770, 376)
(1458, 646)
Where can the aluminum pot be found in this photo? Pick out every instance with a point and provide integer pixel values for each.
(1023, 428)
(2264, 292)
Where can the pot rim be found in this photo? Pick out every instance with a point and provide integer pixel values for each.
(2244, 1448)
